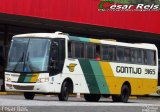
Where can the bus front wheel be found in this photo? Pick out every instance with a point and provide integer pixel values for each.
(92, 97)
(63, 96)
(29, 95)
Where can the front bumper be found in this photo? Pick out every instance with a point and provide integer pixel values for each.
(29, 87)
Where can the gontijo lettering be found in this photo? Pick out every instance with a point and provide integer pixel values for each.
(130, 70)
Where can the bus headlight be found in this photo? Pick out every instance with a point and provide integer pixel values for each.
(7, 79)
(41, 80)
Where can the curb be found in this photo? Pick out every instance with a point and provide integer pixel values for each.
(150, 97)
(133, 97)
(9, 93)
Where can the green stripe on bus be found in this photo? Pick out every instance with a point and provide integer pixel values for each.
(89, 76)
(79, 39)
(28, 78)
(99, 77)
(74, 38)
(84, 39)
(21, 77)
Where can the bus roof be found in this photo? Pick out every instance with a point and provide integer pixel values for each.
(85, 39)
(40, 35)
(98, 41)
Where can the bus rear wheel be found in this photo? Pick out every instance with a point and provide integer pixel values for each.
(124, 96)
(29, 95)
(63, 96)
(92, 97)
(125, 93)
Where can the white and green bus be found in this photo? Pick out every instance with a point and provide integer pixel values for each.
(62, 64)
(157, 93)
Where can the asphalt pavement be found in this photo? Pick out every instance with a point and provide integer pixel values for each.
(17, 103)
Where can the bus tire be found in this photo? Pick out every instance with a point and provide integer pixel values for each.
(124, 96)
(63, 96)
(29, 95)
(92, 97)
(125, 93)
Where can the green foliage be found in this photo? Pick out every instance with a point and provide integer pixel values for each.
(149, 2)
(157, 2)
(110, 1)
(122, 1)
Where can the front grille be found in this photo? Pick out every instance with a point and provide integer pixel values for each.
(23, 87)
(15, 75)
(14, 81)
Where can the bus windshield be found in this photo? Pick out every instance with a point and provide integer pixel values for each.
(28, 55)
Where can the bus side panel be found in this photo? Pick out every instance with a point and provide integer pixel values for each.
(110, 79)
(94, 76)
(115, 83)
(98, 77)
(149, 86)
(87, 74)
(72, 69)
(141, 83)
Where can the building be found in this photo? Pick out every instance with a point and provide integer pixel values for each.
(76, 17)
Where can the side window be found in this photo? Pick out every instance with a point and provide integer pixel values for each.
(112, 53)
(108, 53)
(127, 55)
(149, 57)
(134, 55)
(120, 54)
(139, 56)
(97, 52)
(78, 50)
(70, 52)
(75, 49)
(62, 49)
(154, 58)
(89, 51)
(105, 54)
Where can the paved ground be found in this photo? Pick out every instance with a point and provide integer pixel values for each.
(17, 103)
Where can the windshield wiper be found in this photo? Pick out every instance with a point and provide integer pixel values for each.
(20, 59)
(29, 65)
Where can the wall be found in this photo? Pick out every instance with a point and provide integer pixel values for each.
(83, 11)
